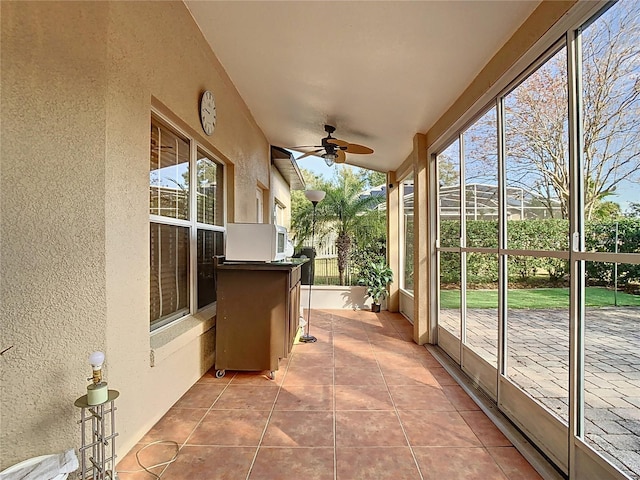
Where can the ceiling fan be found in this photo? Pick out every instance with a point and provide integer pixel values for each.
(335, 150)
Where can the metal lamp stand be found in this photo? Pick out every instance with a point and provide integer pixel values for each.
(98, 444)
(314, 196)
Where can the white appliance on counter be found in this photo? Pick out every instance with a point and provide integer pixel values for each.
(257, 242)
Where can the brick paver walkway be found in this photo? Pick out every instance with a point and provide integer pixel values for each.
(538, 358)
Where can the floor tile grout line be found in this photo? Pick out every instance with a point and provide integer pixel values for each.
(183, 444)
(474, 433)
(395, 409)
(333, 386)
(207, 412)
(377, 341)
(266, 425)
(404, 432)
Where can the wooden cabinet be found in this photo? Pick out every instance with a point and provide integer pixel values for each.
(294, 307)
(257, 314)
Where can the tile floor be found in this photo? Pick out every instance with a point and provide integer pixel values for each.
(363, 403)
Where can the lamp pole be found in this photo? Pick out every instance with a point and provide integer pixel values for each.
(314, 196)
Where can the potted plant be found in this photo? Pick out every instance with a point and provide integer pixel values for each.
(377, 278)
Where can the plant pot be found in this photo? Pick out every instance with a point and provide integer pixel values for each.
(375, 307)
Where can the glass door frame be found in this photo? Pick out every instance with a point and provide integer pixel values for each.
(563, 443)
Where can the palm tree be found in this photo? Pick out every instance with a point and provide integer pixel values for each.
(343, 209)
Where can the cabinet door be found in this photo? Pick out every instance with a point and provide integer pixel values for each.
(294, 314)
(251, 319)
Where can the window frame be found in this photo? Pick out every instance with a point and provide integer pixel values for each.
(279, 212)
(192, 223)
(402, 243)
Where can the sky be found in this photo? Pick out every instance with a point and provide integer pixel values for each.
(317, 165)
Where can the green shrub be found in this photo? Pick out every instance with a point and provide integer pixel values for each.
(549, 235)
(601, 237)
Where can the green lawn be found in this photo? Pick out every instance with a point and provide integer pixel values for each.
(537, 298)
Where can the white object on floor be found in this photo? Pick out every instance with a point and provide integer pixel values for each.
(46, 467)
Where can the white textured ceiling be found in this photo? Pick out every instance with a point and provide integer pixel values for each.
(378, 71)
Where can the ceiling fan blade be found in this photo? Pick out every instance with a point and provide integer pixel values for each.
(304, 146)
(337, 141)
(358, 149)
(341, 156)
(313, 152)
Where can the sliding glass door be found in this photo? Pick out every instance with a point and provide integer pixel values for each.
(538, 248)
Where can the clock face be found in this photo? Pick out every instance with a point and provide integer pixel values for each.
(208, 112)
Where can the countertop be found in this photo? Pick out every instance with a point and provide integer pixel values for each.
(283, 265)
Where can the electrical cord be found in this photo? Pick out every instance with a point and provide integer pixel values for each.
(147, 468)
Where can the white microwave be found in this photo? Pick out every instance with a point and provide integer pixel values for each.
(256, 242)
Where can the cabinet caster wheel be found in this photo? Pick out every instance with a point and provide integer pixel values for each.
(272, 375)
(220, 373)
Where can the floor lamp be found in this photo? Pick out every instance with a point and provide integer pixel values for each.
(314, 196)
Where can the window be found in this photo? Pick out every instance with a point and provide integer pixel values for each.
(407, 232)
(182, 219)
(610, 98)
(449, 211)
(280, 213)
(259, 205)
(547, 219)
(479, 261)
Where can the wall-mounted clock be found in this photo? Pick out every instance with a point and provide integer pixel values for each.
(208, 112)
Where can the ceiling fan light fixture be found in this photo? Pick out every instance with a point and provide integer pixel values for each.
(329, 159)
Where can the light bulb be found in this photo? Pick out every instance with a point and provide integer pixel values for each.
(96, 359)
(329, 159)
(97, 392)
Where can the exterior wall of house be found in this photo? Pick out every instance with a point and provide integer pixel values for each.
(281, 193)
(78, 83)
(52, 181)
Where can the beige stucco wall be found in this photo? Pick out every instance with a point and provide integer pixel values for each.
(78, 81)
(280, 192)
(52, 182)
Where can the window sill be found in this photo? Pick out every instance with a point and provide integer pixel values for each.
(169, 339)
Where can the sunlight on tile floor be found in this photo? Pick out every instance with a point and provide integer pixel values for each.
(364, 402)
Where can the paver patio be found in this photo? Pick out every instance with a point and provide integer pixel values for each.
(538, 362)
